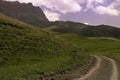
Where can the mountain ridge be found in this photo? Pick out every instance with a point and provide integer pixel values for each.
(85, 30)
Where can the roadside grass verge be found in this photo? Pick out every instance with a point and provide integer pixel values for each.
(14, 68)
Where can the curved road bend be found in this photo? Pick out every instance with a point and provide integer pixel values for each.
(104, 69)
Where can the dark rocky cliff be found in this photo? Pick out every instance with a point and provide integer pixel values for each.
(23, 12)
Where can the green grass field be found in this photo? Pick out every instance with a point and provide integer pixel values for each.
(29, 52)
(95, 45)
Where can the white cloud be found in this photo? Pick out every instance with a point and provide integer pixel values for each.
(106, 10)
(100, 1)
(80, 1)
(86, 23)
(97, 6)
(115, 3)
(63, 6)
(52, 16)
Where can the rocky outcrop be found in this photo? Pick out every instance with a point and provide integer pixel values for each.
(23, 12)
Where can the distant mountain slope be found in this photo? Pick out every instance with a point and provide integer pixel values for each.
(24, 12)
(85, 30)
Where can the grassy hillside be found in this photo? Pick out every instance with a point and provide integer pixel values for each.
(85, 30)
(29, 52)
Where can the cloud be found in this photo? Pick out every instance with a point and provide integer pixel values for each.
(92, 3)
(111, 9)
(107, 10)
(99, 7)
(80, 1)
(100, 1)
(115, 3)
(63, 6)
(52, 16)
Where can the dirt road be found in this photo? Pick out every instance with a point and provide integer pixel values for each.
(105, 69)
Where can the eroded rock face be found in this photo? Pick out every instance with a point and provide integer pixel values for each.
(24, 12)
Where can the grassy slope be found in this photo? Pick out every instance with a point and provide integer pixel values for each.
(27, 51)
(96, 45)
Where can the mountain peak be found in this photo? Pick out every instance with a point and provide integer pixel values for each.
(23, 12)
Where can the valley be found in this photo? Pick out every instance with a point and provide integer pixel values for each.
(34, 48)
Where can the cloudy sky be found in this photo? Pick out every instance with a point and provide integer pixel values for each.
(86, 11)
